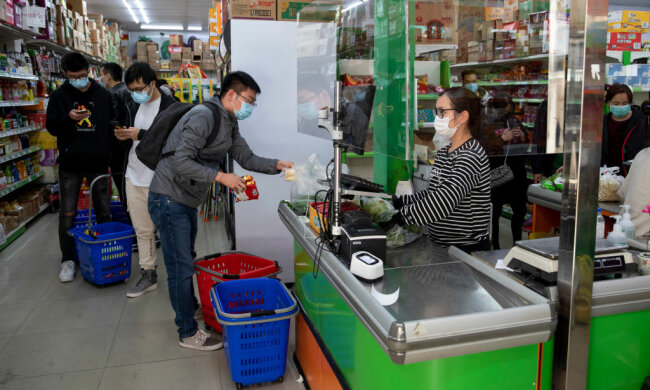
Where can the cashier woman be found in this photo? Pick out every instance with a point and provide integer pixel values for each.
(456, 205)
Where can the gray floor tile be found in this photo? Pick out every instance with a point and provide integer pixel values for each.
(55, 353)
(12, 316)
(67, 314)
(3, 342)
(152, 306)
(83, 380)
(144, 342)
(80, 288)
(24, 290)
(197, 373)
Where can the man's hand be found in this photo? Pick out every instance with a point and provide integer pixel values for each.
(77, 115)
(283, 164)
(507, 136)
(537, 178)
(232, 181)
(124, 134)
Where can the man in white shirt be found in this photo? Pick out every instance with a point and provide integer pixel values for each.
(145, 103)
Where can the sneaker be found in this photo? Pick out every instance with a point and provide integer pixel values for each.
(67, 271)
(201, 341)
(148, 282)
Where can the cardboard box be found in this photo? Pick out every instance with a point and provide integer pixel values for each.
(97, 18)
(197, 45)
(628, 16)
(624, 41)
(94, 36)
(438, 19)
(175, 40)
(307, 10)
(208, 64)
(208, 55)
(197, 56)
(252, 9)
(78, 6)
(510, 11)
(175, 64)
(142, 58)
(141, 48)
(627, 27)
(153, 55)
(97, 49)
(154, 64)
(152, 46)
(9, 12)
(494, 13)
(175, 56)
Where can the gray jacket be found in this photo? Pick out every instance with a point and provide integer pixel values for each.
(187, 174)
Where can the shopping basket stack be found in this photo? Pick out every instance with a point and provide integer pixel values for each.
(104, 250)
(255, 315)
(222, 267)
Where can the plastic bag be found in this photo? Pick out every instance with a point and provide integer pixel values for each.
(379, 209)
(399, 236)
(610, 183)
(306, 185)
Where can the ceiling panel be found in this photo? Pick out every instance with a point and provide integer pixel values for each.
(186, 12)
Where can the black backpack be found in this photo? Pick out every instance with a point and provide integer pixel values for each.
(149, 150)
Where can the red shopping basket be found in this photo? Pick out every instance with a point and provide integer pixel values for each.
(221, 267)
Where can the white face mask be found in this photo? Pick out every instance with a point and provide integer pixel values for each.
(442, 127)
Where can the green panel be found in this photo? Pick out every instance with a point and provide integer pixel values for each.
(619, 351)
(390, 64)
(366, 366)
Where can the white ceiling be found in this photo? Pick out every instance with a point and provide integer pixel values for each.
(186, 12)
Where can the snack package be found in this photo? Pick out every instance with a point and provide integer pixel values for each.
(251, 190)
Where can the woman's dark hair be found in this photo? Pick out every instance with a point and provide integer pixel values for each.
(137, 71)
(462, 99)
(114, 70)
(616, 89)
(74, 62)
(239, 81)
(161, 82)
(501, 100)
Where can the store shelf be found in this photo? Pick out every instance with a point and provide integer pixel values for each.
(422, 48)
(11, 236)
(13, 187)
(63, 49)
(506, 83)
(528, 124)
(18, 103)
(16, 76)
(20, 130)
(618, 55)
(529, 100)
(428, 96)
(538, 57)
(426, 125)
(20, 153)
(16, 32)
(354, 155)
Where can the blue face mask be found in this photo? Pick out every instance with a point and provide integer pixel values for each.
(307, 111)
(100, 82)
(620, 111)
(244, 111)
(472, 87)
(79, 83)
(140, 97)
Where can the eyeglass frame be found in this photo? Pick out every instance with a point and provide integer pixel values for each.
(254, 104)
(80, 77)
(443, 110)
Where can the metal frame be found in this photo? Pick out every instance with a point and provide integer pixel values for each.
(582, 148)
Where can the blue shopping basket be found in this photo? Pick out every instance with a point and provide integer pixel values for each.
(255, 315)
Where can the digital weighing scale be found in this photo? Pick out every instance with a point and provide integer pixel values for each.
(540, 258)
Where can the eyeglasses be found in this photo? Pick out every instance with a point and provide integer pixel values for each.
(140, 89)
(251, 102)
(79, 77)
(440, 112)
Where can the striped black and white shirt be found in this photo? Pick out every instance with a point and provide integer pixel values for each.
(456, 205)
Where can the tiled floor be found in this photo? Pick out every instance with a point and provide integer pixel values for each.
(79, 336)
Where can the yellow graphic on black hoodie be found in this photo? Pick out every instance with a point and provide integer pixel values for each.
(86, 123)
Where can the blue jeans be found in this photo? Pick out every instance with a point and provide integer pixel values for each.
(176, 224)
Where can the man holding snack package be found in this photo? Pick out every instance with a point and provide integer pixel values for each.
(78, 114)
(190, 164)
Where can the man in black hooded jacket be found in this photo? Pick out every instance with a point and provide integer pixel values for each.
(79, 115)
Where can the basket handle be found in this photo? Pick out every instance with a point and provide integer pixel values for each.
(219, 254)
(263, 313)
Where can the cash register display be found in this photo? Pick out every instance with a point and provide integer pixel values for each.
(368, 259)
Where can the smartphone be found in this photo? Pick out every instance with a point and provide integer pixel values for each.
(116, 125)
(82, 111)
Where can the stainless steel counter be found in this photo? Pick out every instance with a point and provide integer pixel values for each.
(553, 200)
(629, 293)
(450, 303)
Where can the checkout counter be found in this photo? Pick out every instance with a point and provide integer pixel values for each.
(458, 322)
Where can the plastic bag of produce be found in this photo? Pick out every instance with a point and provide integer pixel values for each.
(306, 185)
(379, 209)
(399, 236)
(610, 183)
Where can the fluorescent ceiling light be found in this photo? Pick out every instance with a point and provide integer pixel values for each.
(353, 5)
(194, 28)
(135, 18)
(161, 26)
(144, 16)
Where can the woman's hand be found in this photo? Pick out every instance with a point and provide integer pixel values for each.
(507, 136)
(518, 133)
(232, 181)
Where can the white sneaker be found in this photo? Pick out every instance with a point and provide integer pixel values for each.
(202, 341)
(67, 271)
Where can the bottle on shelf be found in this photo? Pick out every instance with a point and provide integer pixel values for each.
(626, 222)
(616, 236)
(600, 224)
(9, 175)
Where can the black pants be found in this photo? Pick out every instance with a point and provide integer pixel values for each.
(513, 193)
(70, 183)
(483, 245)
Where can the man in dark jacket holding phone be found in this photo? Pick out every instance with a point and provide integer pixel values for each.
(78, 114)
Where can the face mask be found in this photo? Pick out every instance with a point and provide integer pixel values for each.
(472, 87)
(100, 82)
(620, 111)
(79, 83)
(442, 127)
(307, 111)
(140, 97)
(244, 111)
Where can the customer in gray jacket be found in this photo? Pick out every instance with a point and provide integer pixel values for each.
(181, 182)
